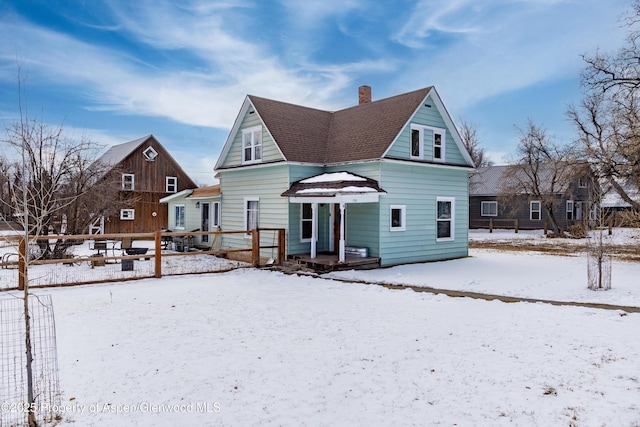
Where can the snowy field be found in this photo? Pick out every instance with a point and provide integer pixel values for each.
(252, 347)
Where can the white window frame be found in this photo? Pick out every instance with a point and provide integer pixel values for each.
(125, 184)
(434, 131)
(451, 219)
(442, 134)
(403, 217)
(127, 214)
(246, 213)
(150, 153)
(582, 182)
(215, 212)
(420, 130)
(176, 216)
(570, 211)
(303, 220)
(252, 141)
(531, 210)
(489, 203)
(171, 184)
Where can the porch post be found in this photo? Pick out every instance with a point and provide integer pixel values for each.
(314, 229)
(341, 257)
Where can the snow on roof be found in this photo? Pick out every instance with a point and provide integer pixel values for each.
(350, 189)
(117, 153)
(333, 177)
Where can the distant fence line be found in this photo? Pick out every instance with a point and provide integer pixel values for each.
(58, 260)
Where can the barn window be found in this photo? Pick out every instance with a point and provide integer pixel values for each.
(150, 154)
(172, 184)
(127, 214)
(128, 181)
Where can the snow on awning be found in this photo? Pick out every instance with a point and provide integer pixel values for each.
(334, 187)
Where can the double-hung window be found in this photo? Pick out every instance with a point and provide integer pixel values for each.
(306, 222)
(534, 210)
(569, 209)
(445, 227)
(251, 213)
(128, 181)
(425, 140)
(252, 145)
(172, 184)
(178, 220)
(397, 215)
(489, 208)
(216, 214)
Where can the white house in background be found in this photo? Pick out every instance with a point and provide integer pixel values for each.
(196, 209)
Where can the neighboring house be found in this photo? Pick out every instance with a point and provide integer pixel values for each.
(147, 173)
(390, 176)
(490, 198)
(195, 209)
(616, 208)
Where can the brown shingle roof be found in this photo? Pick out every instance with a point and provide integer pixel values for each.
(362, 132)
(209, 191)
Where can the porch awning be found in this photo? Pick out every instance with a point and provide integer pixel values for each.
(334, 187)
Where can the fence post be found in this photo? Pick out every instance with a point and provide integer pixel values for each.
(490, 225)
(22, 263)
(546, 227)
(158, 255)
(255, 247)
(281, 246)
(516, 225)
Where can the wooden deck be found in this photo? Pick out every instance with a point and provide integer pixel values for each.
(329, 262)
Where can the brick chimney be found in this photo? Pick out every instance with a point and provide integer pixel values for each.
(364, 95)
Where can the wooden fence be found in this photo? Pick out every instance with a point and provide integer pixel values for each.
(155, 250)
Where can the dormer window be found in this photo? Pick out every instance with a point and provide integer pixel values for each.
(150, 154)
(252, 145)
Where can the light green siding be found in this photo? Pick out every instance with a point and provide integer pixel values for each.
(417, 187)
(294, 245)
(192, 213)
(368, 169)
(270, 151)
(426, 116)
(264, 183)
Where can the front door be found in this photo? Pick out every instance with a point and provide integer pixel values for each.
(204, 221)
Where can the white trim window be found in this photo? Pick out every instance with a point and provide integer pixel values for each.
(570, 210)
(397, 217)
(179, 217)
(171, 184)
(128, 181)
(418, 142)
(438, 145)
(489, 208)
(216, 214)
(582, 182)
(127, 214)
(150, 154)
(535, 210)
(252, 144)
(251, 213)
(445, 225)
(306, 222)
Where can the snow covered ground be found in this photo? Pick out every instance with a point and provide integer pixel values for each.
(252, 347)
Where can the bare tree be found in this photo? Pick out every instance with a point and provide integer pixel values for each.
(608, 118)
(542, 171)
(471, 141)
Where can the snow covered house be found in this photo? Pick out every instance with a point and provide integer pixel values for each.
(387, 179)
(147, 173)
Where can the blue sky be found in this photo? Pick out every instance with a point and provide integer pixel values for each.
(114, 71)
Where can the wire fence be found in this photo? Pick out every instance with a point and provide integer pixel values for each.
(13, 381)
(80, 259)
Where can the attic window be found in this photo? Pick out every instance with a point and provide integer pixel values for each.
(150, 154)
